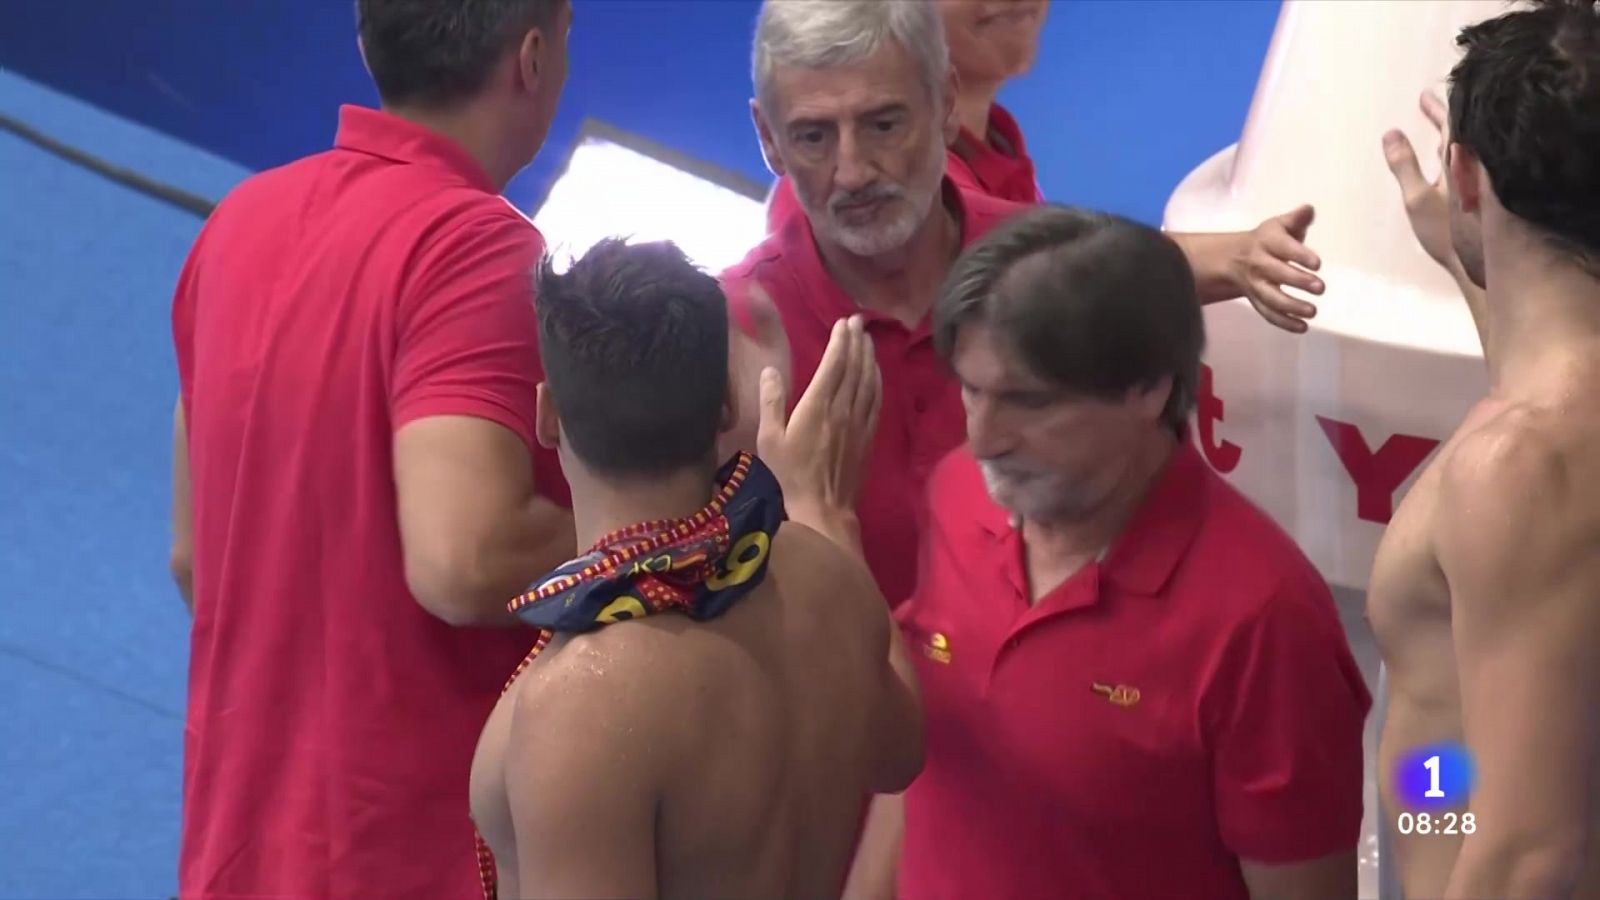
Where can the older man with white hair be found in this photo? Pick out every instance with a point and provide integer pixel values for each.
(856, 104)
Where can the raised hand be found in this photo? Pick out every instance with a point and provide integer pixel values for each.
(819, 451)
(1427, 203)
(763, 346)
(1274, 255)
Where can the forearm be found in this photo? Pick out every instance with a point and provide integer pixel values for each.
(872, 874)
(472, 582)
(1212, 258)
(1506, 870)
(537, 538)
(182, 570)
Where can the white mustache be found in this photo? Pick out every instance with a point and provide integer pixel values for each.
(864, 197)
(1010, 471)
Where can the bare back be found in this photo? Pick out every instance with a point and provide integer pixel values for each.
(757, 737)
(1463, 644)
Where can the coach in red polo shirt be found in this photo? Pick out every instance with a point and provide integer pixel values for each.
(358, 357)
(868, 131)
(1135, 685)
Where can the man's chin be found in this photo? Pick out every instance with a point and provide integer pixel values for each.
(874, 241)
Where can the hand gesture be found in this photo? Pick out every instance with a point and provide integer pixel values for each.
(1427, 204)
(820, 450)
(1274, 256)
(749, 354)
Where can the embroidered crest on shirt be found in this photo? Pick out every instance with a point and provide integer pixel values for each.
(1122, 695)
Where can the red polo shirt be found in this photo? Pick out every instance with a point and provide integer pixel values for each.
(922, 418)
(331, 720)
(998, 166)
(1187, 702)
(996, 163)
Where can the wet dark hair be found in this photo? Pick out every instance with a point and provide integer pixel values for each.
(1525, 99)
(634, 340)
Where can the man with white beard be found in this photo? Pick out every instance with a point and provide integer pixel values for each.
(856, 105)
(1134, 683)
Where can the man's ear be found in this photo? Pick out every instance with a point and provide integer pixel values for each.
(1464, 172)
(769, 144)
(952, 119)
(530, 60)
(546, 422)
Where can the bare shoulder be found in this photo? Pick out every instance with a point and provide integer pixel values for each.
(1520, 463)
(1518, 498)
(803, 555)
(630, 670)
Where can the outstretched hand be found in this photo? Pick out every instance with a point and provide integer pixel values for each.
(1275, 256)
(1427, 203)
(819, 451)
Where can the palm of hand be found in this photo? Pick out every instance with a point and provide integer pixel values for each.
(1427, 203)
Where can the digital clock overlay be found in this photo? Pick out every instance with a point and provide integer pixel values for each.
(1434, 777)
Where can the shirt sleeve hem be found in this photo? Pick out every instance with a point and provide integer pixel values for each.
(424, 407)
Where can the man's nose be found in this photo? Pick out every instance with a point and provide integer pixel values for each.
(853, 170)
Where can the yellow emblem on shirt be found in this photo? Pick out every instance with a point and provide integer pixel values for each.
(1122, 695)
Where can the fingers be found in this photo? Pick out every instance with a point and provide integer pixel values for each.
(774, 402)
(843, 399)
(876, 398)
(1402, 159)
(1435, 110)
(867, 384)
(1288, 247)
(1297, 221)
(831, 370)
(1276, 275)
(1276, 307)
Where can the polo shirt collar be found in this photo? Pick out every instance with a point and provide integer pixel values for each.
(387, 136)
(828, 301)
(1143, 557)
(1007, 172)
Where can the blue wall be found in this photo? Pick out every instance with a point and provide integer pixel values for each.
(1128, 95)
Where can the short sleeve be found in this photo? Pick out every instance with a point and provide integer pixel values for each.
(1286, 711)
(467, 337)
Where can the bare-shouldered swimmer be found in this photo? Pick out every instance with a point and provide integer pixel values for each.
(1485, 594)
(719, 755)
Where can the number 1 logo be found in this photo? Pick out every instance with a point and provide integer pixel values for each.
(1434, 777)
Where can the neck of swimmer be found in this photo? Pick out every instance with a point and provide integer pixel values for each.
(903, 282)
(1542, 319)
(604, 504)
